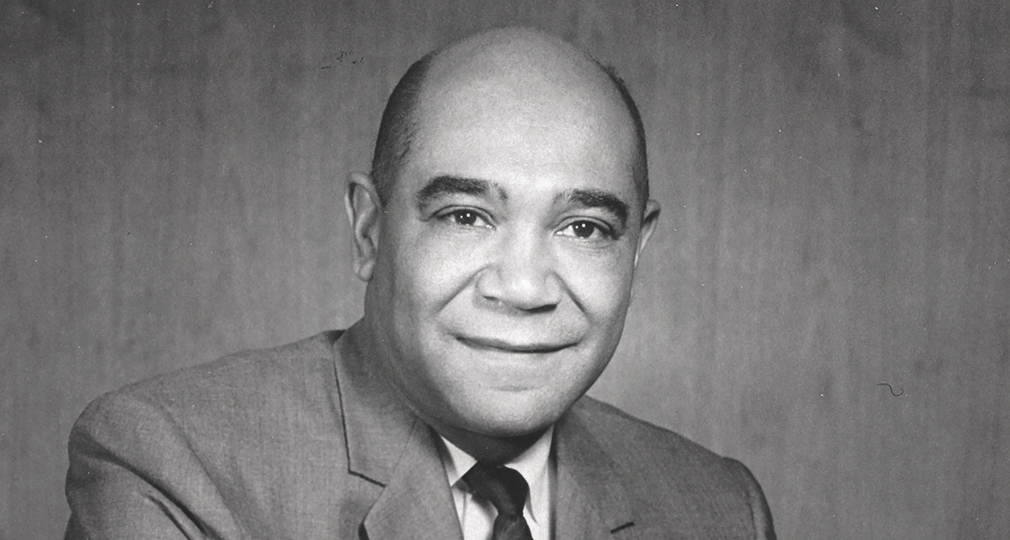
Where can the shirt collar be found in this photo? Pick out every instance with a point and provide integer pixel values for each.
(532, 464)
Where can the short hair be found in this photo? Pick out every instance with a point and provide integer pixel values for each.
(399, 125)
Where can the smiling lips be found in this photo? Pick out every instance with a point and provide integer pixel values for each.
(493, 344)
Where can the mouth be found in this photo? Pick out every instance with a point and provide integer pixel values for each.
(493, 344)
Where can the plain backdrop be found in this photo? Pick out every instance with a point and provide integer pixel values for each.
(835, 184)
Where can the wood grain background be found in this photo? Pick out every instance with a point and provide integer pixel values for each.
(834, 176)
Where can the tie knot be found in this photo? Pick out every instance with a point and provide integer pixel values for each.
(504, 487)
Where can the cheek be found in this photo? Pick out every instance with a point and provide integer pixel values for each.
(430, 273)
(426, 276)
(601, 285)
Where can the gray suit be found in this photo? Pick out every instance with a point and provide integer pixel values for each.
(308, 441)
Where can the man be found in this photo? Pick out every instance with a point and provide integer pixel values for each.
(498, 234)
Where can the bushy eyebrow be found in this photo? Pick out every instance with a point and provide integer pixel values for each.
(595, 198)
(453, 185)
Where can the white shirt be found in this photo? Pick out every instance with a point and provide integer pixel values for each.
(476, 515)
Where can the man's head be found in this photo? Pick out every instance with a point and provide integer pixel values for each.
(500, 243)
(399, 122)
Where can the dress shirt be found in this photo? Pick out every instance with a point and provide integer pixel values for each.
(476, 515)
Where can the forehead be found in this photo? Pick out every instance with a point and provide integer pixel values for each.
(556, 123)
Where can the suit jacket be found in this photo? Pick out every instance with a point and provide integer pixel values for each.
(308, 441)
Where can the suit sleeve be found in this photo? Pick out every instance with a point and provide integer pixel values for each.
(761, 514)
(132, 475)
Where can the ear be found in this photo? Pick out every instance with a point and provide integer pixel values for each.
(364, 211)
(649, 218)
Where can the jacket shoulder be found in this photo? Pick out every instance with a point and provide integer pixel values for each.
(200, 448)
(667, 474)
(259, 367)
(632, 436)
(236, 396)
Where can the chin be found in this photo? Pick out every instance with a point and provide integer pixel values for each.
(514, 417)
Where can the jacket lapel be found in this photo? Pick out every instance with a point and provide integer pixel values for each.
(389, 446)
(416, 502)
(590, 500)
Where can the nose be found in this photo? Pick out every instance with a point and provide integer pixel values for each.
(522, 275)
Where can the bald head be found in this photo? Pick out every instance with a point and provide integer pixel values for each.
(532, 72)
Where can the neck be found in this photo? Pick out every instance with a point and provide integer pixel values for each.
(490, 450)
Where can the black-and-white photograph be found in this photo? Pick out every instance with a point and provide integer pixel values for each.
(504, 270)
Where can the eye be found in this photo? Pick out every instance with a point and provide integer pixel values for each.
(586, 230)
(464, 217)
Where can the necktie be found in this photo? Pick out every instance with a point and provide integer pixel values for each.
(507, 490)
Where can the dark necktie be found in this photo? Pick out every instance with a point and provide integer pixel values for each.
(507, 491)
